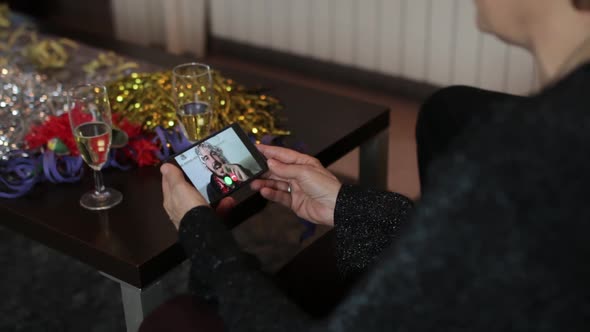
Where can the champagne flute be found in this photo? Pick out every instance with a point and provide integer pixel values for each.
(90, 118)
(192, 86)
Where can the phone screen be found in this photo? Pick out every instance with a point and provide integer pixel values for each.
(221, 163)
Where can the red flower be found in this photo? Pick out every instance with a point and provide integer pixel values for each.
(139, 149)
(143, 151)
(54, 126)
(132, 130)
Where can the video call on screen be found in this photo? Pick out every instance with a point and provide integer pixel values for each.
(233, 152)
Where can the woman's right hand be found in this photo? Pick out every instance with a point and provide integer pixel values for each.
(313, 188)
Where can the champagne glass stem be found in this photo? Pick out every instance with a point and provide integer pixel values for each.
(98, 182)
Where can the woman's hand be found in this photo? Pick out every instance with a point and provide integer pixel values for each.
(180, 196)
(313, 189)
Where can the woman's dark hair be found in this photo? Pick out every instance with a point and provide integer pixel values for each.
(582, 4)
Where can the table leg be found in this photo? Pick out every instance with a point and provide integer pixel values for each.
(373, 161)
(139, 302)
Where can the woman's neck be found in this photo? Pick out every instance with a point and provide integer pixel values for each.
(560, 48)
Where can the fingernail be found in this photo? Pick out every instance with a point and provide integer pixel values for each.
(164, 169)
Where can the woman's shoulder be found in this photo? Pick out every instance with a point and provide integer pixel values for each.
(571, 90)
(559, 111)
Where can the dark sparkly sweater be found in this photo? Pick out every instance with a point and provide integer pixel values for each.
(500, 242)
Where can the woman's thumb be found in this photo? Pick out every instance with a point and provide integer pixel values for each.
(171, 174)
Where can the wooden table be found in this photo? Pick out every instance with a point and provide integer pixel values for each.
(134, 243)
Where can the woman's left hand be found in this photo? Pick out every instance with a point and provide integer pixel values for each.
(179, 195)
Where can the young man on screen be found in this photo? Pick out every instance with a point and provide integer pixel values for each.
(224, 176)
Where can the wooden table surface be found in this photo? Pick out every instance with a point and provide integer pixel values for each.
(135, 242)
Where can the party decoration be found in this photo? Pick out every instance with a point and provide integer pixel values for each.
(58, 147)
(143, 152)
(145, 128)
(4, 16)
(143, 99)
(9, 39)
(19, 175)
(170, 141)
(146, 99)
(49, 53)
(65, 169)
(56, 135)
(110, 63)
(55, 127)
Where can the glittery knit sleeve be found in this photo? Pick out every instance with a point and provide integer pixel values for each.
(366, 221)
(230, 280)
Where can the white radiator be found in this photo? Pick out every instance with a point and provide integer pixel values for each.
(433, 41)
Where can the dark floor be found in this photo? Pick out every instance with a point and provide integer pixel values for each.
(42, 290)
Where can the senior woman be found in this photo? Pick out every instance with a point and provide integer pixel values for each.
(499, 240)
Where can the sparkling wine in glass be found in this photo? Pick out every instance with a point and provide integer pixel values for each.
(192, 86)
(90, 118)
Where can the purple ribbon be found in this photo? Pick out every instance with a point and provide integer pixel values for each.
(113, 162)
(66, 169)
(170, 141)
(309, 230)
(18, 175)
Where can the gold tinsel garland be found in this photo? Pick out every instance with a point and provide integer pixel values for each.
(146, 98)
(49, 53)
(43, 53)
(108, 64)
(4, 16)
(142, 98)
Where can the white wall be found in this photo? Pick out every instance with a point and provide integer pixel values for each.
(434, 41)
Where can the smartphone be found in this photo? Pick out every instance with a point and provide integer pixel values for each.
(221, 164)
